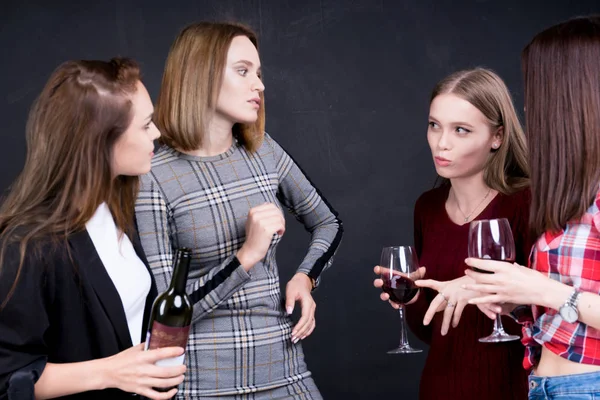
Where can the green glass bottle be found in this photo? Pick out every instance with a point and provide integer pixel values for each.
(171, 315)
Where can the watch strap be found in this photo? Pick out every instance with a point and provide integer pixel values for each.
(573, 298)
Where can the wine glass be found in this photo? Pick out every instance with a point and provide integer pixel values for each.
(492, 239)
(398, 264)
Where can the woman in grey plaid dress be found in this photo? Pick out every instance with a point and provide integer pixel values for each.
(218, 184)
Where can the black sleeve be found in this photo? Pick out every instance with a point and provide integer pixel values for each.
(24, 321)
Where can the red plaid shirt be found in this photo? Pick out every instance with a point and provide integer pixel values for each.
(572, 257)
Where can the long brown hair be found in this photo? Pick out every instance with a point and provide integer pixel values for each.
(191, 83)
(562, 109)
(507, 170)
(71, 131)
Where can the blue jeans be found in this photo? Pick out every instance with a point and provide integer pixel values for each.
(571, 387)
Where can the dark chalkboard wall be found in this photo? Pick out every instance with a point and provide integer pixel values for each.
(347, 87)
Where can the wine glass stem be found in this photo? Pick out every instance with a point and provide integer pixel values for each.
(498, 324)
(403, 335)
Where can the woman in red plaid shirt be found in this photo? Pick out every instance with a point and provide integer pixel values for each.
(562, 103)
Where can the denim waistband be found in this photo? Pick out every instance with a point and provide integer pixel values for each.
(546, 387)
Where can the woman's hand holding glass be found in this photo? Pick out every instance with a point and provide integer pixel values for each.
(399, 265)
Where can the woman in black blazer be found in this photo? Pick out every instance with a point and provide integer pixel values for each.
(75, 288)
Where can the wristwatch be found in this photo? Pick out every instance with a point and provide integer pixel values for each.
(568, 311)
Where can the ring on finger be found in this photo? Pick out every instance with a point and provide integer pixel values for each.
(443, 296)
(450, 304)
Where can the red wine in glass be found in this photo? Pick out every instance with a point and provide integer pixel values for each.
(397, 264)
(496, 258)
(492, 239)
(400, 288)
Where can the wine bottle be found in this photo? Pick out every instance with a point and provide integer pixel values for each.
(171, 314)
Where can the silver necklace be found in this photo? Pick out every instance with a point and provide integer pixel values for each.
(475, 209)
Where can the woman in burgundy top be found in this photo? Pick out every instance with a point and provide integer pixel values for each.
(475, 136)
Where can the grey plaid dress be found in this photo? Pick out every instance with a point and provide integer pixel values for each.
(240, 343)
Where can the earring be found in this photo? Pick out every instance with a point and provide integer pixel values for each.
(495, 145)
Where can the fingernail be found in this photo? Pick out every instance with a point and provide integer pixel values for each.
(289, 309)
(295, 340)
(302, 338)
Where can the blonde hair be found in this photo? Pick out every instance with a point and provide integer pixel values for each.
(507, 170)
(191, 83)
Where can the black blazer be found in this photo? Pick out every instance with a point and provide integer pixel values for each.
(65, 309)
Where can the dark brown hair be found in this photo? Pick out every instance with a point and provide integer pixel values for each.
(191, 83)
(507, 170)
(71, 131)
(562, 108)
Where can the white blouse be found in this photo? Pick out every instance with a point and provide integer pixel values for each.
(126, 270)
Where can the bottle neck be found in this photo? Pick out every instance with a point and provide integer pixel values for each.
(181, 269)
